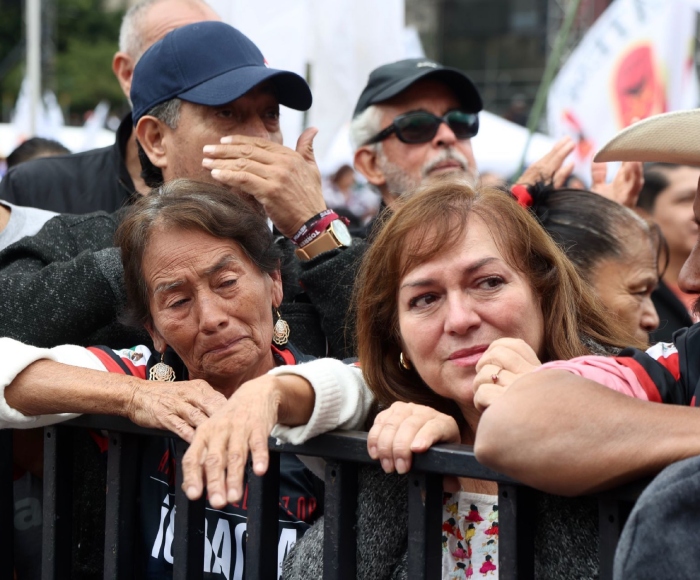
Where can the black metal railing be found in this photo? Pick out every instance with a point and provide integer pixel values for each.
(342, 451)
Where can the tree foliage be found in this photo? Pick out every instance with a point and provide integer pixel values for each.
(85, 37)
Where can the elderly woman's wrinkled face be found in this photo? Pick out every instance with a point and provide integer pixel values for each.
(454, 306)
(625, 285)
(211, 304)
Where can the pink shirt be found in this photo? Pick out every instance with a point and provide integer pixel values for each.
(604, 370)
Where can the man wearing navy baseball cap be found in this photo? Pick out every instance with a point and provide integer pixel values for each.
(206, 106)
(414, 120)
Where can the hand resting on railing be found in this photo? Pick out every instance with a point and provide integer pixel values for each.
(407, 428)
(218, 454)
(293, 403)
(47, 387)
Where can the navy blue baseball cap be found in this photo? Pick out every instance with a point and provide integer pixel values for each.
(208, 63)
(387, 81)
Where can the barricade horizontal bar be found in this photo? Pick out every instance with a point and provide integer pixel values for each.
(456, 460)
(116, 424)
(351, 446)
(344, 446)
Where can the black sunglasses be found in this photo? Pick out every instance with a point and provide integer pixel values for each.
(421, 126)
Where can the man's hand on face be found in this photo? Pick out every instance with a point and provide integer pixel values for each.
(286, 182)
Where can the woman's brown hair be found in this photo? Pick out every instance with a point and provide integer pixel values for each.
(189, 205)
(431, 221)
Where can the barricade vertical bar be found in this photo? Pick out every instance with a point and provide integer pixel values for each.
(515, 538)
(424, 523)
(612, 515)
(7, 507)
(263, 516)
(340, 507)
(188, 544)
(58, 502)
(120, 520)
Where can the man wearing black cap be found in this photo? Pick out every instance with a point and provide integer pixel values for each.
(414, 120)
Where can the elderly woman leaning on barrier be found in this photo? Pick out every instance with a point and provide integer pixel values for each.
(455, 280)
(202, 275)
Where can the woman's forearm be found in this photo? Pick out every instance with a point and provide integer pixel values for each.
(568, 435)
(32, 382)
(341, 399)
(49, 387)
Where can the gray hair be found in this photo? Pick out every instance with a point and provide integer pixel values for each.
(131, 34)
(365, 126)
(168, 112)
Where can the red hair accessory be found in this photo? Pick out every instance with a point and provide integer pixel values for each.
(522, 195)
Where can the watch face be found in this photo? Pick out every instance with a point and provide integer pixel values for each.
(341, 233)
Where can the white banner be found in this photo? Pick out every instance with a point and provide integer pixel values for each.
(335, 39)
(634, 62)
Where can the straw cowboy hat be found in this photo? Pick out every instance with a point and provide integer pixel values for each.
(669, 138)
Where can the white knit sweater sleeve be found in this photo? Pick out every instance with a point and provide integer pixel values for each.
(16, 356)
(343, 400)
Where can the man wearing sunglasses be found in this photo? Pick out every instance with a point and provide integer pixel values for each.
(414, 120)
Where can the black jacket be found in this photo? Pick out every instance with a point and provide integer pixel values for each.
(672, 314)
(95, 180)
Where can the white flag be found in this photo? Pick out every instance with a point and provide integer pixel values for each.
(634, 62)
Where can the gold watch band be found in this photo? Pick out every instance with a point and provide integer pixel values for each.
(323, 243)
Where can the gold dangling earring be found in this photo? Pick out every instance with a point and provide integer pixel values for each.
(280, 334)
(161, 371)
(404, 363)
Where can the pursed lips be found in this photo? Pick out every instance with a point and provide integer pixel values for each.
(468, 357)
(222, 346)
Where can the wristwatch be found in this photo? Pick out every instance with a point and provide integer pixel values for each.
(335, 236)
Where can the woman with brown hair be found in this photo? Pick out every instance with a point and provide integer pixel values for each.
(459, 286)
(403, 291)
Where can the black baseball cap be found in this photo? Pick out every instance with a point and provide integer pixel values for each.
(208, 63)
(389, 80)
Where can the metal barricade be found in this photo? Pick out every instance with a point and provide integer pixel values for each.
(343, 453)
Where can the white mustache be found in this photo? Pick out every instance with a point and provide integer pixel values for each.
(445, 155)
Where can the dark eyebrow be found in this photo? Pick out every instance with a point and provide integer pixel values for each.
(220, 265)
(167, 286)
(470, 270)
